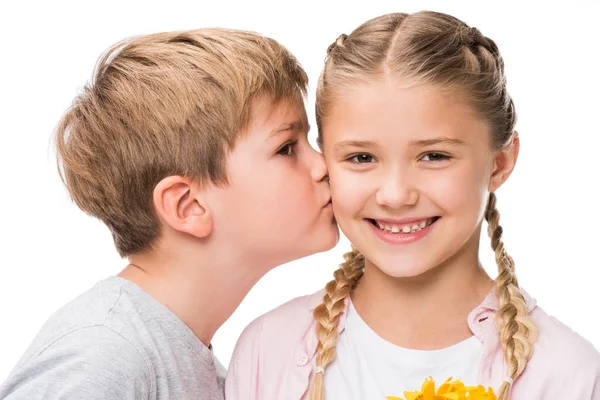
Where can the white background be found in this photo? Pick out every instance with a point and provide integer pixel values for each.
(50, 251)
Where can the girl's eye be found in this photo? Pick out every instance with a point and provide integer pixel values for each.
(362, 158)
(435, 157)
(288, 149)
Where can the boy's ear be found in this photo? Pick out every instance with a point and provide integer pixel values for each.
(504, 162)
(178, 201)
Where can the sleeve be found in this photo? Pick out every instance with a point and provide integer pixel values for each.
(242, 376)
(89, 363)
(582, 381)
(595, 383)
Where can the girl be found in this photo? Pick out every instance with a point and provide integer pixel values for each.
(417, 129)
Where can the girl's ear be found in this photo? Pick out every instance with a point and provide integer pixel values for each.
(504, 162)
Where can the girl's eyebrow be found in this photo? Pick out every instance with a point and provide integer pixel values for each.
(354, 143)
(439, 140)
(418, 143)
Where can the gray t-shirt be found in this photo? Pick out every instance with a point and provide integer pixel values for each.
(115, 342)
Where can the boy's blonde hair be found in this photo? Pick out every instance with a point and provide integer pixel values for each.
(160, 105)
(438, 49)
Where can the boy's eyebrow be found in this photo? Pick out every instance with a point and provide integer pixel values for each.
(295, 126)
(440, 140)
(354, 143)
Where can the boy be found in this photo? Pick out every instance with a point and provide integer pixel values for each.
(191, 147)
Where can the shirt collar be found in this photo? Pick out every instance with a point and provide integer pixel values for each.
(490, 305)
(491, 301)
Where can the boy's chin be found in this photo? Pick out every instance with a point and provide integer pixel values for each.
(335, 240)
(320, 243)
(329, 241)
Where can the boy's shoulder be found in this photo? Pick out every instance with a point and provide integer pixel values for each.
(93, 360)
(78, 343)
(115, 341)
(88, 312)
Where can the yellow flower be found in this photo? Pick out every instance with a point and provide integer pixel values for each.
(450, 390)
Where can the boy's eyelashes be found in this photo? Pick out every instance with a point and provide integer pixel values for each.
(288, 149)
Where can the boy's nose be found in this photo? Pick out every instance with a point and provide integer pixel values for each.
(318, 167)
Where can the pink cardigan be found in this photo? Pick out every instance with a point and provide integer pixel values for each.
(272, 359)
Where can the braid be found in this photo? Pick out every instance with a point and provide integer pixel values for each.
(517, 330)
(490, 63)
(328, 313)
(473, 38)
(339, 42)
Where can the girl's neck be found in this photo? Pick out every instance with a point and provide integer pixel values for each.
(426, 312)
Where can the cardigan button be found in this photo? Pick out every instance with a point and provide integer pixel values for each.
(301, 359)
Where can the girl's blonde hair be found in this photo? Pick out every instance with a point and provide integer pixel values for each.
(438, 49)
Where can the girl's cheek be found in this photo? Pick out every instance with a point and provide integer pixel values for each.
(341, 183)
(349, 191)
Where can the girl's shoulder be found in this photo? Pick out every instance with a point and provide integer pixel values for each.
(274, 351)
(556, 341)
(563, 363)
(286, 323)
(560, 345)
(280, 330)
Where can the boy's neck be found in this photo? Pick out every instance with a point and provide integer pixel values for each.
(427, 312)
(202, 294)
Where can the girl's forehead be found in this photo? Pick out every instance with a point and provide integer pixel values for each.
(380, 109)
(400, 95)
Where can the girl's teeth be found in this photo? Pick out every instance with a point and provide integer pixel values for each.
(404, 229)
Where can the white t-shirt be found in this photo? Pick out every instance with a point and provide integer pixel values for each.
(369, 367)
